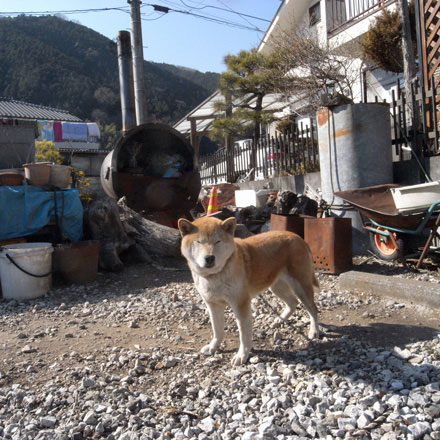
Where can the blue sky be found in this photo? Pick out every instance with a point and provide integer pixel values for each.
(175, 38)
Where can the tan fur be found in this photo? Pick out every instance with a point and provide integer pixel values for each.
(231, 271)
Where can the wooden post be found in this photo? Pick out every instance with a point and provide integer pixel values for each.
(409, 71)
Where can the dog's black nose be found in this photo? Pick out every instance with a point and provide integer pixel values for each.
(209, 260)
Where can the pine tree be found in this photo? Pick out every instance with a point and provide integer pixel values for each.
(248, 79)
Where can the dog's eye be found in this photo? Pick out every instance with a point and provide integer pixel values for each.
(217, 242)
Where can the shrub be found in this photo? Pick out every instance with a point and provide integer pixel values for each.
(382, 44)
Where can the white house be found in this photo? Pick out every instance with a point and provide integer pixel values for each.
(335, 22)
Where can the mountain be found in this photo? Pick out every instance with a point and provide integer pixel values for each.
(54, 62)
(208, 80)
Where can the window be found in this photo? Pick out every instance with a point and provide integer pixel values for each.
(315, 14)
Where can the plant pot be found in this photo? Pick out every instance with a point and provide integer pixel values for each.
(38, 174)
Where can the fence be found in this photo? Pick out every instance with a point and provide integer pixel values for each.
(295, 152)
(345, 13)
(428, 110)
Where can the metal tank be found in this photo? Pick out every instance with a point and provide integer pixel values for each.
(354, 152)
(152, 165)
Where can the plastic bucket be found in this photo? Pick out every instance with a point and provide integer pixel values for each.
(77, 262)
(25, 270)
(38, 174)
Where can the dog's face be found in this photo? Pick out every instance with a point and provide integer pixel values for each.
(207, 243)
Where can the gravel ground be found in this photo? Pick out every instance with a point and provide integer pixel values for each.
(119, 359)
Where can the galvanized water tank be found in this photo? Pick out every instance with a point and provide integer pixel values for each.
(354, 152)
(152, 166)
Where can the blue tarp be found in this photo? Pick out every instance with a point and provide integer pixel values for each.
(25, 209)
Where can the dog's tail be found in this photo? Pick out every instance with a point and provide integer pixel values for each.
(315, 283)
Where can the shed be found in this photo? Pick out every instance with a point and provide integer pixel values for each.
(18, 129)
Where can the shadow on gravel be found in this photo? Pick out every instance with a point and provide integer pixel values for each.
(373, 265)
(367, 354)
(380, 334)
(132, 280)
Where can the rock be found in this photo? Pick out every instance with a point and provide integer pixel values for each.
(48, 421)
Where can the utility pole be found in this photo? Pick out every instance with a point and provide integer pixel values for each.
(138, 60)
(125, 64)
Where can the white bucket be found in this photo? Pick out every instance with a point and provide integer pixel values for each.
(34, 258)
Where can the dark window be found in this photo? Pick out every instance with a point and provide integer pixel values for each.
(314, 14)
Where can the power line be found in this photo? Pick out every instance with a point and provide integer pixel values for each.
(126, 10)
(66, 12)
(241, 14)
(205, 17)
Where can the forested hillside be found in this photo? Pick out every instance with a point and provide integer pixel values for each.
(54, 62)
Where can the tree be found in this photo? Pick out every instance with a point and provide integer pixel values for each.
(309, 70)
(248, 79)
(382, 44)
(45, 151)
(109, 136)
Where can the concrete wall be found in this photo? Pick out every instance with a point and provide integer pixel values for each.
(89, 163)
(17, 145)
(292, 183)
(405, 173)
(409, 173)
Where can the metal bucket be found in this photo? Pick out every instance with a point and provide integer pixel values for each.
(38, 174)
(77, 262)
(60, 176)
(152, 165)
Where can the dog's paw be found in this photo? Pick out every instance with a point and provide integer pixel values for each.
(277, 322)
(239, 359)
(208, 349)
(313, 334)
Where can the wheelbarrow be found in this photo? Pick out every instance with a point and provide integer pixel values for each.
(389, 227)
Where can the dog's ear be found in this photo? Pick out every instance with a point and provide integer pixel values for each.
(186, 227)
(229, 225)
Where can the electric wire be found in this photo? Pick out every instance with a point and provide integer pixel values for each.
(125, 9)
(66, 12)
(227, 10)
(211, 18)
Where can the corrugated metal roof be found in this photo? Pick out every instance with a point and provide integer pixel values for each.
(10, 108)
(206, 113)
(82, 150)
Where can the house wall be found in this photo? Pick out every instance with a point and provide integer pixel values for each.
(16, 146)
(90, 164)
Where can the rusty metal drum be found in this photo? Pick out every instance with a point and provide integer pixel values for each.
(152, 165)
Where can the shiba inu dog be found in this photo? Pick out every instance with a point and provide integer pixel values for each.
(232, 271)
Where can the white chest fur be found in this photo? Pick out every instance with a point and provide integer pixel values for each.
(223, 287)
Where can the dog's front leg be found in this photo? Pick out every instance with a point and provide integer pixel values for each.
(243, 315)
(217, 316)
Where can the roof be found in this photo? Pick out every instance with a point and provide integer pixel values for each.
(204, 113)
(83, 150)
(10, 108)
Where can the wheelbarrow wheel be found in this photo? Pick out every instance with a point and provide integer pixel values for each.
(384, 247)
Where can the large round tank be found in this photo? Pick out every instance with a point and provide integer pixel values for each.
(152, 166)
(354, 152)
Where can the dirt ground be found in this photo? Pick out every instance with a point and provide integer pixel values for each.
(156, 309)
